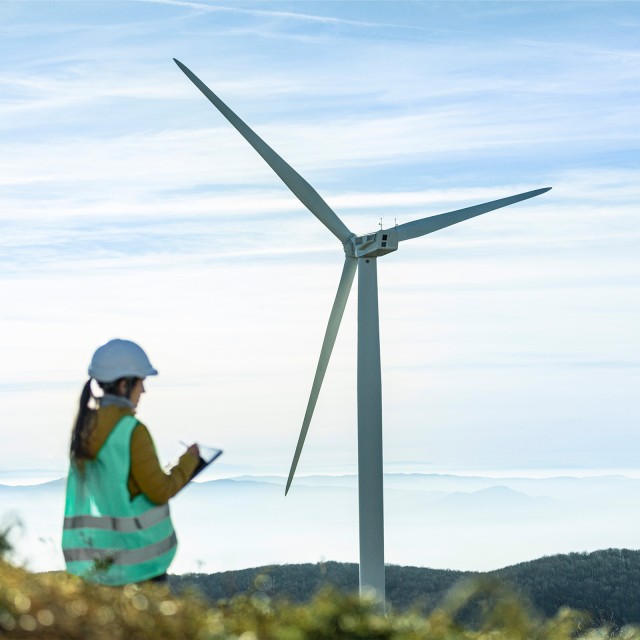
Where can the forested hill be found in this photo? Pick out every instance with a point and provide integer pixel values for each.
(604, 583)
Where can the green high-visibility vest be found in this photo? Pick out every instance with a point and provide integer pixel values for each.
(108, 537)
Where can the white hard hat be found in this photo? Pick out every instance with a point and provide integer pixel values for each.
(120, 359)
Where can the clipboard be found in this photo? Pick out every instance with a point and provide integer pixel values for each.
(208, 455)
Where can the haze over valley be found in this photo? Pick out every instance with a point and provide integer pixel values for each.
(464, 522)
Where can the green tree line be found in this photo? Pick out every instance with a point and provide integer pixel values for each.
(603, 583)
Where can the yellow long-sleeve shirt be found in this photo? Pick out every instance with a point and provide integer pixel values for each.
(146, 475)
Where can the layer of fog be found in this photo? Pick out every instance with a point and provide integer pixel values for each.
(434, 520)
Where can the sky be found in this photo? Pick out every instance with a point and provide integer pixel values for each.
(130, 208)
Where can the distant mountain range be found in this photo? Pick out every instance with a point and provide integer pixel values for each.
(602, 583)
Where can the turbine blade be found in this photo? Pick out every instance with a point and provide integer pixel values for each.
(344, 288)
(309, 197)
(421, 227)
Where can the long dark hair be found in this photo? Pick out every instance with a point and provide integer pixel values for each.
(86, 418)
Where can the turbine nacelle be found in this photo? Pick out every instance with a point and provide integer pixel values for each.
(375, 244)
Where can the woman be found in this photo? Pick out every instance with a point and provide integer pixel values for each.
(117, 525)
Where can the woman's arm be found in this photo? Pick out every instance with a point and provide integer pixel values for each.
(147, 475)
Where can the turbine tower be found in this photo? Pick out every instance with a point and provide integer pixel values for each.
(361, 255)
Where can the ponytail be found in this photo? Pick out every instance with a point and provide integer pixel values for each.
(86, 418)
(79, 451)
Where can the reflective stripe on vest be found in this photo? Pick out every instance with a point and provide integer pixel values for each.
(120, 556)
(124, 525)
(109, 537)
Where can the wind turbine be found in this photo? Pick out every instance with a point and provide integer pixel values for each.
(361, 255)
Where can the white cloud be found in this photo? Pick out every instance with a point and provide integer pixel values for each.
(288, 15)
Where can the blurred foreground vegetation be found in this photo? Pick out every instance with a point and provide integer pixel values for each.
(58, 606)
